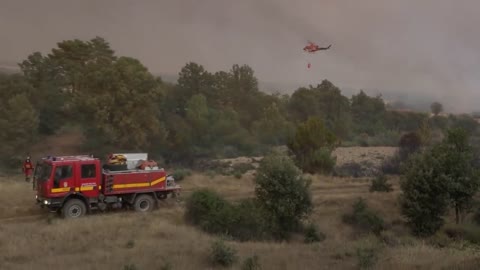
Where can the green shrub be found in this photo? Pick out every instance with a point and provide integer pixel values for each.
(180, 174)
(380, 184)
(409, 143)
(389, 238)
(283, 192)
(312, 234)
(392, 165)
(439, 240)
(312, 146)
(322, 160)
(364, 219)
(434, 180)
(350, 169)
(467, 232)
(242, 221)
(387, 138)
(221, 254)
(205, 208)
(251, 263)
(367, 252)
(250, 222)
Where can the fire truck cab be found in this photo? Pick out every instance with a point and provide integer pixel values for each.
(75, 185)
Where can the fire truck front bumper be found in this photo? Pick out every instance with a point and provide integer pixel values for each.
(50, 203)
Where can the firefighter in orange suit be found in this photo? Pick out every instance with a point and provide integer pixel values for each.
(27, 169)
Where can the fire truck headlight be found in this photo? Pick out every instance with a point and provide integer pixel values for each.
(46, 202)
(36, 197)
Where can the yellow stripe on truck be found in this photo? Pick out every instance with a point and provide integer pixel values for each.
(131, 185)
(154, 182)
(57, 190)
(159, 180)
(86, 188)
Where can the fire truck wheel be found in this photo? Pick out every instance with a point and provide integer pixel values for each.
(74, 208)
(144, 203)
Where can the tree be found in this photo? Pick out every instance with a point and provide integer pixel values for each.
(58, 75)
(368, 113)
(442, 176)
(312, 146)
(283, 192)
(303, 104)
(193, 79)
(115, 104)
(324, 101)
(424, 197)
(409, 143)
(246, 99)
(197, 115)
(273, 128)
(71, 58)
(436, 108)
(19, 123)
(458, 169)
(465, 122)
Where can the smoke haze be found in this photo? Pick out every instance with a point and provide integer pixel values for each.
(400, 48)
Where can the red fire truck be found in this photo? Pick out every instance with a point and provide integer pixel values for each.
(76, 185)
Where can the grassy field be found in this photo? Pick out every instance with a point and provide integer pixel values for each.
(33, 239)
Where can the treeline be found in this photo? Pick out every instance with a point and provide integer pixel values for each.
(120, 106)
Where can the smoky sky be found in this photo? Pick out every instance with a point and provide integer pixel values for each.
(405, 48)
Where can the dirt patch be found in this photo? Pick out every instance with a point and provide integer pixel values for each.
(351, 161)
(373, 155)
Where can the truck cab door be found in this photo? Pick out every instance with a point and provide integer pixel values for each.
(89, 183)
(62, 179)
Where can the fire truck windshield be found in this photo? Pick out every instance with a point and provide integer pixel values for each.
(43, 171)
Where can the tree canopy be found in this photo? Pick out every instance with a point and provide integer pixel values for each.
(121, 105)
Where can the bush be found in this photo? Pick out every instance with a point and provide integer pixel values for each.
(283, 192)
(205, 208)
(321, 161)
(392, 165)
(352, 169)
(312, 146)
(312, 234)
(251, 263)
(367, 252)
(180, 174)
(221, 254)
(243, 221)
(387, 138)
(467, 232)
(364, 219)
(409, 144)
(380, 184)
(444, 176)
(439, 240)
(250, 222)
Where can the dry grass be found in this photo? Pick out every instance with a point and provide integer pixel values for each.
(116, 239)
